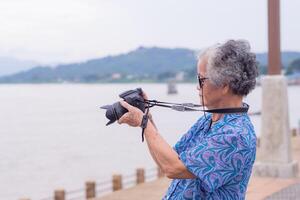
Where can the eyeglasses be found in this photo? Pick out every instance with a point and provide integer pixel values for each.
(201, 80)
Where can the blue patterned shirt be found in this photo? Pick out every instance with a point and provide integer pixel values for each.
(221, 156)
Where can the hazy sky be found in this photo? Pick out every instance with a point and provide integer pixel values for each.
(74, 30)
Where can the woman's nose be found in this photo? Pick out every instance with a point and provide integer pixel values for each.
(198, 87)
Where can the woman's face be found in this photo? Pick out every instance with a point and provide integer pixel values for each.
(210, 95)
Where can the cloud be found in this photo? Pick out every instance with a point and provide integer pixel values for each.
(74, 30)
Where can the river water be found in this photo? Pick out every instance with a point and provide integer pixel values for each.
(54, 135)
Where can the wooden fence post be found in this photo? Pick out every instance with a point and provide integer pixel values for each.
(159, 172)
(59, 194)
(90, 189)
(294, 132)
(117, 182)
(298, 127)
(140, 175)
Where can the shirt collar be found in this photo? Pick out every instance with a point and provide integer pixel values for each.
(224, 119)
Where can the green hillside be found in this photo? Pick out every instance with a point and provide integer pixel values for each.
(143, 64)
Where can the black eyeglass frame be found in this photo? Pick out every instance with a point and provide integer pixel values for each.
(201, 80)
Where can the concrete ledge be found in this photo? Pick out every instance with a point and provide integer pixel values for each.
(283, 170)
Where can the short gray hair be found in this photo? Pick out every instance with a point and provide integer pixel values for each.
(232, 64)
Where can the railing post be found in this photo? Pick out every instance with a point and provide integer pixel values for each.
(299, 127)
(159, 172)
(59, 194)
(140, 175)
(117, 182)
(294, 132)
(257, 142)
(90, 189)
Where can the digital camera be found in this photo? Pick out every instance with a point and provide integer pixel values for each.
(116, 111)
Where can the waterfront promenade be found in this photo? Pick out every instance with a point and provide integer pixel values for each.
(259, 187)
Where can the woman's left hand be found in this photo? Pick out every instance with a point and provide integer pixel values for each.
(133, 117)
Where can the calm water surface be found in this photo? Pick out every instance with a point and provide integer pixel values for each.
(55, 135)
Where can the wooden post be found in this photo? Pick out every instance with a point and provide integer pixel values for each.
(90, 189)
(140, 175)
(294, 132)
(299, 127)
(159, 172)
(117, 182)
(258, 142)
(274, 57)
(59, 194)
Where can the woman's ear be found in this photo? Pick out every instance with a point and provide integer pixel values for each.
(225, 89)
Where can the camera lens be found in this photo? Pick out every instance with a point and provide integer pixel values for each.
(114, 112)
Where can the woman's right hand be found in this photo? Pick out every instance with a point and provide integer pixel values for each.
(145, 96)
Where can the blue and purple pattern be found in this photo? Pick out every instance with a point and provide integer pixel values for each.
(221, 157)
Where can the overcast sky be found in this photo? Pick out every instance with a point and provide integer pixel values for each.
(56, 31)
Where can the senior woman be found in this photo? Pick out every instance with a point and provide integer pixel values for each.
(214, 159)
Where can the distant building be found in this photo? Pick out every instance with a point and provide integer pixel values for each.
(116, 76)
(129, 77)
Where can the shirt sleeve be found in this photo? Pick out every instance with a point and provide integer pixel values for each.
(217, 160)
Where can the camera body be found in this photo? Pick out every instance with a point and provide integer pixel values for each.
(134, 98)
(116, 111)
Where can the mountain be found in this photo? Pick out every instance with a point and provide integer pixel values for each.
(287, 57)
(142, 62)
(151, 64)
(11, 65)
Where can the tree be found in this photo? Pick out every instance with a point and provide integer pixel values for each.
(294, 67)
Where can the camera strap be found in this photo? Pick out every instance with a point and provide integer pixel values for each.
(186, 107)
(182, 107)
(228, 110)
(144, 123)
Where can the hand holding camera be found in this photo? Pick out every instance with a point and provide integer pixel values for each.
(134, 98)
(133, 117)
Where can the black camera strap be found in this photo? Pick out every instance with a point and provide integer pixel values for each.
(144, 123)
(228, 110)
(191, 107)
(186, 107)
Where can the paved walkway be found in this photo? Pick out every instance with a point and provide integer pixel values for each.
(258, 188)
